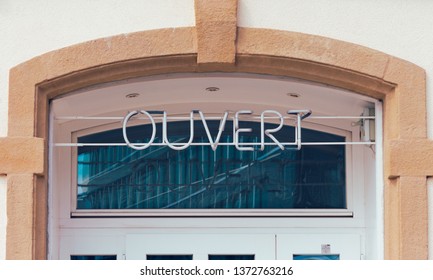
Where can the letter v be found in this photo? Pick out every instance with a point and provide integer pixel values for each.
(213, 144)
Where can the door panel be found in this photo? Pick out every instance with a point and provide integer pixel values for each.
(312, 246)
(201, 246)
(212, 246)
(90, 246)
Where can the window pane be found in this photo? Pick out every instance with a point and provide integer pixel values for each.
(168, 257)
(331, 257)
(93, 258)
(200, 178)
(231, 257)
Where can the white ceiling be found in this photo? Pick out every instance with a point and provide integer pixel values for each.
(182, 93)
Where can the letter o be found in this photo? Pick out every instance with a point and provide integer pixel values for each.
(125, 137)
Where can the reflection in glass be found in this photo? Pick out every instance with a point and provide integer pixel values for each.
(328, 257)
(231, 257)
(168, 257)
(200, 178)
(93, 257)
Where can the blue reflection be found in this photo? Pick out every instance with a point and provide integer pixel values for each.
(168, 257)
(93, 257)
(231, 257)
(200, 178)
(329, 257)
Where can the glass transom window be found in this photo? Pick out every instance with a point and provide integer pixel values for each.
(118, 177)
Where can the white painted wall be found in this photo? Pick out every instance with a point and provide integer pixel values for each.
(29, 28)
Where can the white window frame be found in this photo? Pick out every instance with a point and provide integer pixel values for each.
(348, 212)
(63, 223)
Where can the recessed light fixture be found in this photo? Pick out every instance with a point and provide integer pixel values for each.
(212, 89)
(293, 94)
(132, 95)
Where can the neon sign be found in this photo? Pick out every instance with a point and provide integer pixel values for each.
(214, 139)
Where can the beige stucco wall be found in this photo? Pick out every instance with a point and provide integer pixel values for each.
(395, 27)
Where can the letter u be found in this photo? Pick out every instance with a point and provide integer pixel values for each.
(177, 147)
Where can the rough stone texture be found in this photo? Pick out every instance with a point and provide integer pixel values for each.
(391, 126)
(20, 226)
(406, 226)
(40, 221)
(392, 221)
(312, 48)
(407, 154)
(414, 223)
(22, 155)
(216, 31)
(402, 153)
(411, 119)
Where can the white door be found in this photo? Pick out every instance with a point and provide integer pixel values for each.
(99, 245)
